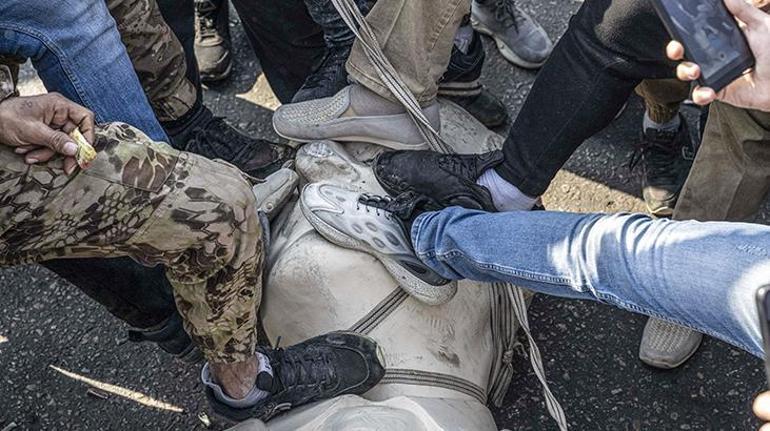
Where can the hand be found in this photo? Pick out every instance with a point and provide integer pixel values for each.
(38, 127)
(751, 90)
(762, 409)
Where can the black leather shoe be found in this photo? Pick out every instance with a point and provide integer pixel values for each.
(447, 179)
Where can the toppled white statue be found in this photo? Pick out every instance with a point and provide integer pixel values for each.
(442, 361)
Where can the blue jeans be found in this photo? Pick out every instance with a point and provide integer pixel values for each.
(700, 275)
(76, 49)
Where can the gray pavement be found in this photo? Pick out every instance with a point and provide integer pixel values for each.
(54, 341)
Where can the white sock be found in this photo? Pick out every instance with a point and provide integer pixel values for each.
(505, 195)
(671, 126)
(254, 396)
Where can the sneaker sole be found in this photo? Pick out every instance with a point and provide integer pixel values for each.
(216, 77)
(504, 49)
(668, 366)
(365, 139)
(380, 352)
(413, 285)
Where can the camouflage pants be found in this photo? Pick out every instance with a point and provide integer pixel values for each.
(145, 200)
(157, 56)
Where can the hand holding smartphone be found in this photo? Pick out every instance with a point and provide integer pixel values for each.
(710, 36)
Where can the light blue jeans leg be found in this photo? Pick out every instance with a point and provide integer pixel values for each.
(700, 275)
(76, 49)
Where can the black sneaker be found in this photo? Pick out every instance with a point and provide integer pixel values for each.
(461, 84)
(212, 39)
(322, 367)
(328, 77)
(666, 158)
(259, 158)
(447, 179)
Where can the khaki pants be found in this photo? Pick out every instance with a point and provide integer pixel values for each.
(145, 200)
(662, 97)
(417, 37)
(730, 177)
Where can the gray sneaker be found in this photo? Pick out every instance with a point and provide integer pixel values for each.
(667, 345)
(370, 224)
(355, 114)
(520, 39)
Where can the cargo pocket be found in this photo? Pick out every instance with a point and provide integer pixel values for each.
(133, 164)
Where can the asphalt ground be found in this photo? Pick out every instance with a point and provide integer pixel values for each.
(55, 344)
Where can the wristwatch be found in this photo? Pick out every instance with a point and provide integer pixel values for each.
(7, 87)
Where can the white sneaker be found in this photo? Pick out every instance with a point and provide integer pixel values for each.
(364, 222)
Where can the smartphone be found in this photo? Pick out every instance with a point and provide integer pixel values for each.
(711, 38)
(763, 307)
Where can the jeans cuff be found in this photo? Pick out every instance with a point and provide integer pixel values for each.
(417, 229)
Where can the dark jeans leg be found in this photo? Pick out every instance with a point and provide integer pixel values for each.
(610, 46)
(285, 39)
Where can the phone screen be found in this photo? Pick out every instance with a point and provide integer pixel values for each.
(711, 38)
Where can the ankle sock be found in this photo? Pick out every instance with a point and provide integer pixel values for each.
(505, 195)
(254, 396)
(669, 126)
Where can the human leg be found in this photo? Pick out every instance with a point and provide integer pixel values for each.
(417, 38)
(729, 180)
(170, 77)
(197, 217)
(65, 50)
(609, 47)
(77, 51)
(666, 148)
(656, 267)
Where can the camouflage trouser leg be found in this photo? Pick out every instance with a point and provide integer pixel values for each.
(157, 56)
(156, 205)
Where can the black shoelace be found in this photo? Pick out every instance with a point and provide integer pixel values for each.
(376, 203)
(662, 153)
(305, 369)
(207, 12)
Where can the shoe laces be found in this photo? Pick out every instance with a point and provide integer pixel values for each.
(662, 151)
(458, 166)
(507, 13)
(376, 203)
(217, 139)
(403, 206)
(306, 369)
(206, 10)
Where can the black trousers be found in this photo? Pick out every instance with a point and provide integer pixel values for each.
(609, 47)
